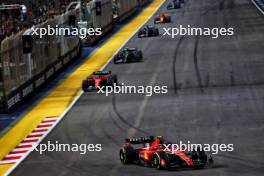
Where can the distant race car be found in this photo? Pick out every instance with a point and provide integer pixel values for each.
(153, 154)
(175, 4)
(99, 79)
(128, 55)
(148, 31)
(162, 18)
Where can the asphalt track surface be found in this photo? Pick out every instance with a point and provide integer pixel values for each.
(216, 95)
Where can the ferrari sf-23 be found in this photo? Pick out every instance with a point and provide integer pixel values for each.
(99, 79)
(153, 153)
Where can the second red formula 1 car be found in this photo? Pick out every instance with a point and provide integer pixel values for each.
(154, 154)
(98, 80)
(162, 18)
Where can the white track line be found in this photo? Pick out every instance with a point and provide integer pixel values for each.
(41, 128)
(81, 92)
(33, 138)
(5, 162)
(14, 155)
(18, 149)
(37, 133)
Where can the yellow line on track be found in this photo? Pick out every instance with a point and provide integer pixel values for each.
(61, 97)
(4, 168)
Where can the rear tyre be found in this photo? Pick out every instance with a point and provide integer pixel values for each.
(140, 56)
(157, 32)
(112, 80)
(170, 6)
(126, 155)
(140, 34)
(169, 19)
(155, 21)
(116, 60)
(85, 85)
(115, 81)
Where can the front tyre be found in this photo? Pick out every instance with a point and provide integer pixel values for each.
(199, 158)
(160, 161)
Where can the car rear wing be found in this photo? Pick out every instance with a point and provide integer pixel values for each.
(141, 140)
(102, 73)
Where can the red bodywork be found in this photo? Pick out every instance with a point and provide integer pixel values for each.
(147, 153)
(162, 17)
(98, 80)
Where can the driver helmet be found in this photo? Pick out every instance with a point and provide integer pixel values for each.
(160, 139)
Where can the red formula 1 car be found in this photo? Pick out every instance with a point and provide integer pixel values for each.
(98, 80)
(153, 153)
(162, 18)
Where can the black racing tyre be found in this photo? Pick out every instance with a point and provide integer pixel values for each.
(126, 155)
(139, 34)
(140, 55)
(111, 80)
(156, 20)
(200, 166)
(103, 83)
(157, 32)
(114, 77)
(160, 161)
(168, 19)
(85, 85)
(116, 60)
(202, 156)
(169, 7)
(210, 159)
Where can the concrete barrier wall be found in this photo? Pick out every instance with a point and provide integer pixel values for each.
(125, 8)
(51, 53)
(106, 18)
(13, 63)
(103, 21)
(143, 2)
